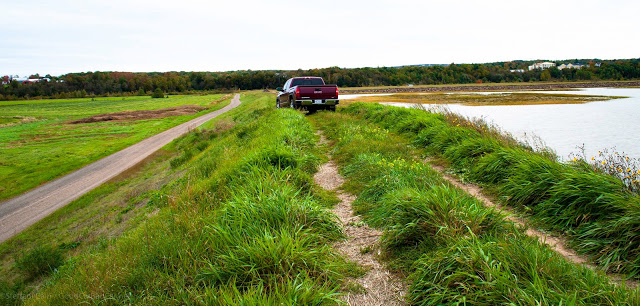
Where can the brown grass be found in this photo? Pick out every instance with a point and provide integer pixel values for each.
(474, 99)
(143, 114)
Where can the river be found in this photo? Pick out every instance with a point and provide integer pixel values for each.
(564, 127)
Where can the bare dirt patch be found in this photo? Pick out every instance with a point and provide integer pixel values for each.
(378, 286)
(143, 114)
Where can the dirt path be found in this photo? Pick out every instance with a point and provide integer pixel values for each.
(21, 212)
(557, 244)
(379, 286)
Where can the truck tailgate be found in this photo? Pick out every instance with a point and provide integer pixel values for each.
(318, 92)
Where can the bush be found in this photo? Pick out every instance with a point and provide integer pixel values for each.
(157, 93)
(40, 261)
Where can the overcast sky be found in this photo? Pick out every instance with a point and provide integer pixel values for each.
(58, 37)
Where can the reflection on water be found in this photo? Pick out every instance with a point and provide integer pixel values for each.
(563, 127)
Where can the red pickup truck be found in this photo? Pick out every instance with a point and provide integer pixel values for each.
(310, 93)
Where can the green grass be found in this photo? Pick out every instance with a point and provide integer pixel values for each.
(89, 223)
(455, 249)
(237, 219)
(594, 210)
(46, 147)
(243, 225)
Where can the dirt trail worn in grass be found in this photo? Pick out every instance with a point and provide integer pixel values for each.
(557, 244)
(21, 212)
(379, 286)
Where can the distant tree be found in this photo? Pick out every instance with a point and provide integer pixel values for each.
(583, 74)
(157, 93)
(555, 72)
(545, 76)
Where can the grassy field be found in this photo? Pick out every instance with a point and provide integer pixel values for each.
(38, 143)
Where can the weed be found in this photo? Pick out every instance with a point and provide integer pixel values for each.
(366, 250)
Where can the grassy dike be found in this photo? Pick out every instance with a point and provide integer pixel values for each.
(595, 211)
(243, 225)
(455, 249)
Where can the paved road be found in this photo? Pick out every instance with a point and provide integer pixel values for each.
(21, 212)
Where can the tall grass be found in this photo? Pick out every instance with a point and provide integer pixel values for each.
(594, 209)
(456, 249)
(249, 229)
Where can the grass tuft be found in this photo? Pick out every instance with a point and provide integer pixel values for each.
(39, 261)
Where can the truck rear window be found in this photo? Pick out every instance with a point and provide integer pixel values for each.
(313, 82)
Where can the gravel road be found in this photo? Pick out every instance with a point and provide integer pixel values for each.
(22, 211)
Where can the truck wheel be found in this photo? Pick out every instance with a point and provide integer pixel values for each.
(332, 108)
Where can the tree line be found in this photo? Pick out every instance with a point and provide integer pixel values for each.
(76, 85)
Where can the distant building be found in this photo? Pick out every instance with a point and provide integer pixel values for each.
(542, 66)
(19, 79)
(28, 81)
(571, 66)
(516, 70)
(25, 80)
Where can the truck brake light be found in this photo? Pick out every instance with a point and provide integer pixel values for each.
(297, 93)
(336, 91)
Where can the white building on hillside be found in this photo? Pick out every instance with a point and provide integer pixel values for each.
(543, 65)
(570, 66)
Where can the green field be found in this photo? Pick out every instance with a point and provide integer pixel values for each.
(229, 214)
(44, 145)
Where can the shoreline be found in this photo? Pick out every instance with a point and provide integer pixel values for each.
(476, 87)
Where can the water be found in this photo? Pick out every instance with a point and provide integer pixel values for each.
(564, 127)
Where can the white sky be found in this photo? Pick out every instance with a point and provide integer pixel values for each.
(62, 36)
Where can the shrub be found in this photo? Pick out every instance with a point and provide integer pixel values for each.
(157, 93)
